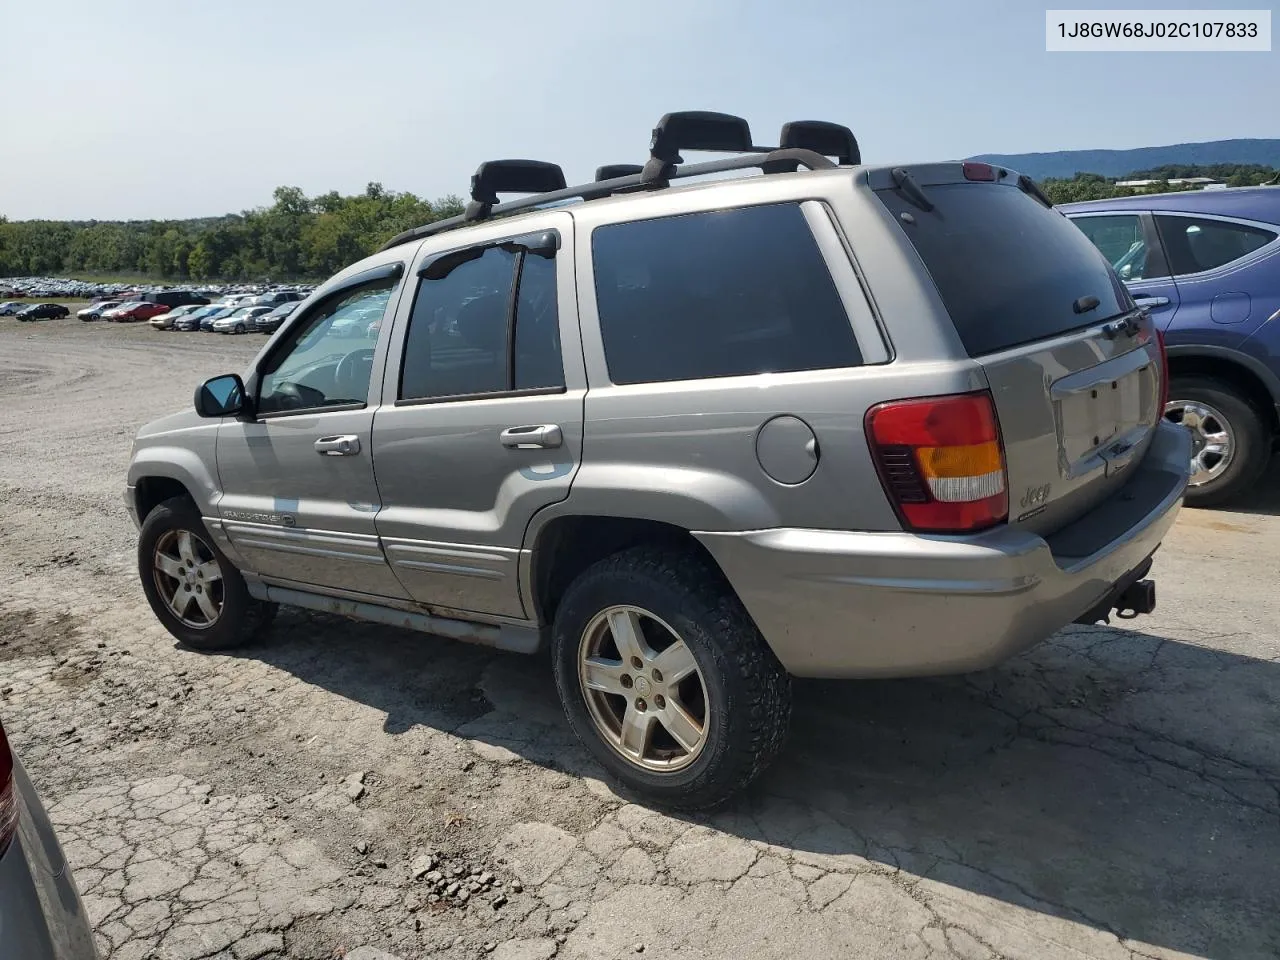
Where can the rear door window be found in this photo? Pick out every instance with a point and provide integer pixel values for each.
(1009, 270)
(1196, 244)
(463, 340)
(1123, 239)
(726, 293)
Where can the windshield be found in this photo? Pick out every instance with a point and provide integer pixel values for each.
(1009, 270)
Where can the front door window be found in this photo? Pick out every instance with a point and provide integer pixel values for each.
(328, 359)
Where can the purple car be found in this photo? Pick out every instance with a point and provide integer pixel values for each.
(1207, 265)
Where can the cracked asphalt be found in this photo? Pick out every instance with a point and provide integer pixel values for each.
(350, 790)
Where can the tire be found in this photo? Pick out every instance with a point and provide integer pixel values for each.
(240, 618)
(1221, 409)
(239, 328)
(743, 692)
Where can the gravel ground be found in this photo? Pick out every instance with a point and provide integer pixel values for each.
(347, 790)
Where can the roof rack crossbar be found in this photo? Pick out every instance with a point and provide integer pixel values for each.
(767, 159)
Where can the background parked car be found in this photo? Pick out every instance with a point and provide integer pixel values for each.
(95, 310)
(270, 322)
(10, 307)
(43, 311)
(225, 310)
(1207, 265)
(165, 321)
(41, 914)
(111, 314)
(195, 318)
(135, 311)
(175, 298)
(277, 297)
(239, 321)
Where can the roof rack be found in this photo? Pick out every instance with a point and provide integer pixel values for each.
(807, 143)
(509, 176)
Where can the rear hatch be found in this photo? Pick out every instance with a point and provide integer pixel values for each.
(1074, 368)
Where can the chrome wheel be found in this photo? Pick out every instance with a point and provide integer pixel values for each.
(643, 690)
(188, 578)
(1213, 445)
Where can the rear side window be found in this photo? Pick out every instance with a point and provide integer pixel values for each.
(1009, 270)
(1195, 245)
(1123, 240)
(722, 294)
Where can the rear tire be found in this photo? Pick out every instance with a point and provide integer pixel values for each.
(193, 589)
(710, 734)
(1218, 413)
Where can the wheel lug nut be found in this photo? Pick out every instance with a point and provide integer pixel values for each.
(637, 663)
(660, 702)
(657, 676)
(641, 705)
(626, 680)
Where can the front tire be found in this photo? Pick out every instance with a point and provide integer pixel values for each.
(192, 587)
(666, 680)
(1232, 445)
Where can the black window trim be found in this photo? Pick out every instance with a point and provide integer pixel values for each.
(512, 303)
(1263, 251)
(297, 320)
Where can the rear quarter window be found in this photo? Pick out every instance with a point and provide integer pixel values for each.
(719, 294)
(1008, 269)
(1198, 244)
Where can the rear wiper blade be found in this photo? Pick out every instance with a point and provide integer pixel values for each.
(910, 189)
(1028, 186)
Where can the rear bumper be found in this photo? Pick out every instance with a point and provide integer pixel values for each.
(835, 603)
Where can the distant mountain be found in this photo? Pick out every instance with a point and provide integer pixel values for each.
(1117, 163)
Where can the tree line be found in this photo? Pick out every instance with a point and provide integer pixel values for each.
(1092, 186)
(297, 237)
(310, 238)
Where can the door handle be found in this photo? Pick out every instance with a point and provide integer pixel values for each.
(539, 435)
(1151, 301)
(344, 446)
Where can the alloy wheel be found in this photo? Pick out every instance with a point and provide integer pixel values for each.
(643, 689)
(188, 578)
(1213, 445)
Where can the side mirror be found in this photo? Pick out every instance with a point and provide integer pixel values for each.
(221, 396)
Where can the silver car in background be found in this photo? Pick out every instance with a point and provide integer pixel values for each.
(241, 320)
(41, 914)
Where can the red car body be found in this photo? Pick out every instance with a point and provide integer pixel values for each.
(143, 311)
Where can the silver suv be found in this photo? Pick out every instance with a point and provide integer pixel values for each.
(830, 420)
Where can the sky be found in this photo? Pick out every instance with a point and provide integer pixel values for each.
(134, 109)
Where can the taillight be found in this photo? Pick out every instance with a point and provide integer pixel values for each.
(1164, 371)
(941, 461)
(8, 795)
